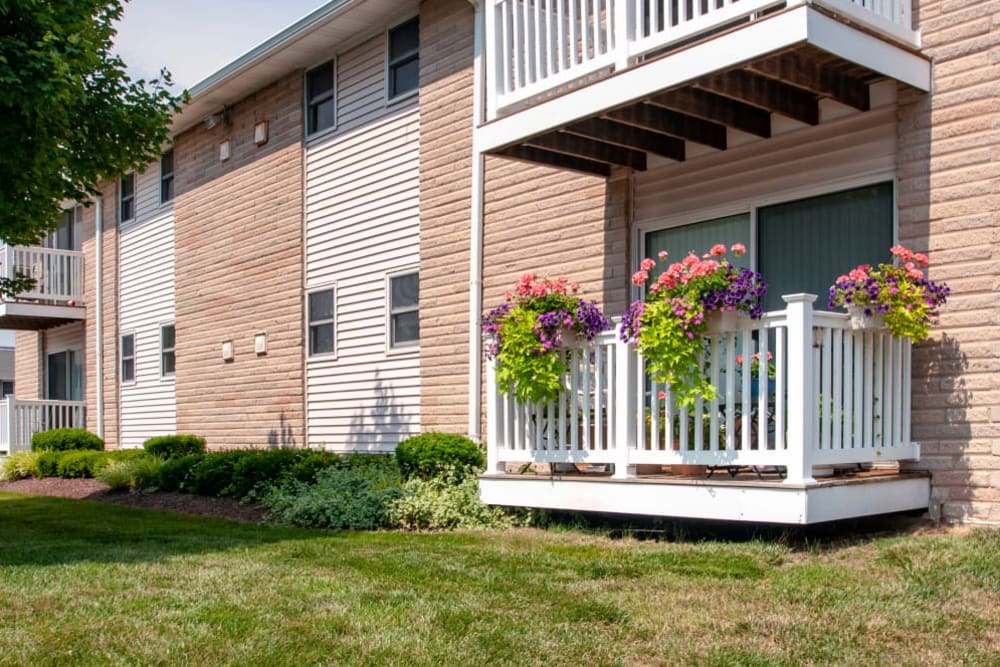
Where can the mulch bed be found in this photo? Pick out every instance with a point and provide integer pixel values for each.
(91, 489)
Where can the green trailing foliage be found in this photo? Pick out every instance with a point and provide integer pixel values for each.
(174, 446)
(431, 454)
(71, 116)
(65, 439)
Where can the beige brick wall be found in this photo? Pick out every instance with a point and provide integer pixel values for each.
(949, 204)
(109, 308)
(27, 369)
(446, 33)
(239, 254)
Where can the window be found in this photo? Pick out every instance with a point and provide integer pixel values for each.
(128, 358)
(68, 235)
(321, 322)
(404, 310)
(126, 197)
(64, 375)
(799, 246)
(167, 177)
(167, 350)
(404, 59)
(320, 105)
(8, 388)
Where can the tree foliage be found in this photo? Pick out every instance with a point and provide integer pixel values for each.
(70, 116)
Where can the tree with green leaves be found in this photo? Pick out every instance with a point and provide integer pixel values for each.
(70, 116)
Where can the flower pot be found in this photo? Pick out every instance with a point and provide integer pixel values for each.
(724, 321)
(861, 321)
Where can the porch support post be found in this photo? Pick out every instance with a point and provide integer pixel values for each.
(624, 398)
(8, 423)
(623, 18)
(494, 466)
(801, 401)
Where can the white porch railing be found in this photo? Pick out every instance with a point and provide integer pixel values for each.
(21, 419)
(58, 274)
(838, 396)
(537, 47)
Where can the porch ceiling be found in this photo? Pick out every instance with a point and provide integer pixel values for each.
(791, 62)
(790, 84)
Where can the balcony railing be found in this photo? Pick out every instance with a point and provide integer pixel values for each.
(539, 47)
(58, 274)
(838, 396)
(21, 419)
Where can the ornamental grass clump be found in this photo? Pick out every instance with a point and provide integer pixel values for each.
(668, 327)
(529, 332)
(900, 292)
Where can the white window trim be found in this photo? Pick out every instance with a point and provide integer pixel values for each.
(135, 356)
(135, 190)
(173, 175)
(393, 101)
(322, 356)
(305, 100)
(752, 205)
(164, 376)
(405, 348)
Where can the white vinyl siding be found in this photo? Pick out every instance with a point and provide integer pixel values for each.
(146, 286)
(362, 222)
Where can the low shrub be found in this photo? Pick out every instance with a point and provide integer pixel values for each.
(354, 496)
(213, 475)
(20, 465)
(174, 446)
(261, 468)
(65, 439)
(445, 502)
(175, 474)
(79, 464)
(432, 454)
(126, 454)
(48, 463)
(145, 471)
(117, 475)
(310, 463)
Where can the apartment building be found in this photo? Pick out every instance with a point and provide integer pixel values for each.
(308, 262)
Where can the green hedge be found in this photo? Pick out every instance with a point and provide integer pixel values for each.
(174, 446)
(432, 454)
(79, 464)
(65, 439)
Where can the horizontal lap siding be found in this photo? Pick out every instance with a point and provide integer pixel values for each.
(949, 205)
(239, 253)
(146, 293)
(27, 365)
(362, 220)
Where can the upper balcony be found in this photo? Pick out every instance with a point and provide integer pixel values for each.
(590, 84)
(57, 295)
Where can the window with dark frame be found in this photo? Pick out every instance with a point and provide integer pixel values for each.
(321, 322)
(167, 358)
(404, 310)
(167, 177)
(126, 197)
(128, 358)
(404, 59)
(320, 104)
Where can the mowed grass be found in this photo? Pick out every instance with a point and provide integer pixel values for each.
(93, 584)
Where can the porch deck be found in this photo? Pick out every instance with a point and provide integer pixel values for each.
(745, 497)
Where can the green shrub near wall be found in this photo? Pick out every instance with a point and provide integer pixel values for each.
(432, 454)
(176, 474)
(80, 464)
(174, 446)
(65, 439)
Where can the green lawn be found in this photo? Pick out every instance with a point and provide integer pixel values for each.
(90, 584)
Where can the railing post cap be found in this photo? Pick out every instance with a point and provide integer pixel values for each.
(801, 297)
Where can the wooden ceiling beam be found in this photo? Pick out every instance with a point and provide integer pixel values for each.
(711, 107)
(665, 121)
(590, 149)
(763, 92)
(809, 74)
(627, 136)
(541, 156)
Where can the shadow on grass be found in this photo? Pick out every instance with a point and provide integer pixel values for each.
(41, 530)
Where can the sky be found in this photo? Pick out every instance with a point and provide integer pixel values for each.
(193, 39)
